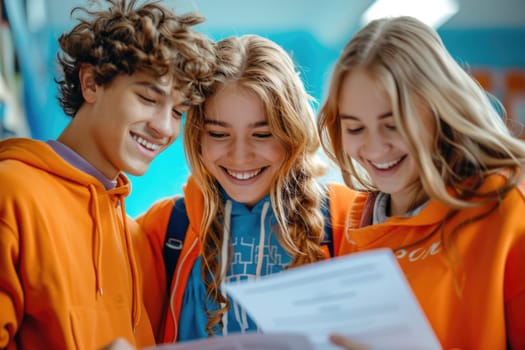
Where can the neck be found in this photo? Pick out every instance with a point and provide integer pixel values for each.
(402, 203)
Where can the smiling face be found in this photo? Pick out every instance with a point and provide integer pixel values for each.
(238, 147)
(123, 125)
(370, 137)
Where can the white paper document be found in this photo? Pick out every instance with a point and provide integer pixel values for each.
(362, 295)
(247, 341)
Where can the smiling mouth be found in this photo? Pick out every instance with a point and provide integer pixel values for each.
(244, 175)
(145, 143)
(387, 165)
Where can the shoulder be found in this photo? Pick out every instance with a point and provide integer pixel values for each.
(194, 199)
(343, 200)
(344, 195)
(339, 189)
(520, 188)
(497, 181)
(22, 182)
(516, 197)
(155, 219)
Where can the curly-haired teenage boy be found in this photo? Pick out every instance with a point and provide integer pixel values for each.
(69, 279)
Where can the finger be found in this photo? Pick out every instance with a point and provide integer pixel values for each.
(118, 344)
(345, 343)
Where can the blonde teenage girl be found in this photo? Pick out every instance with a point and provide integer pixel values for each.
(441, 180)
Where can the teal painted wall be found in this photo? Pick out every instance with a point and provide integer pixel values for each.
(500, 49)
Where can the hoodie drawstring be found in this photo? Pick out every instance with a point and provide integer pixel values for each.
(135, 309)
(97, 254)
(97, 242)
(224, 257)
(260, 256)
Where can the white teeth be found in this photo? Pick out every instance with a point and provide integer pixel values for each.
(386, 165)
(146, 144)
(244, 175)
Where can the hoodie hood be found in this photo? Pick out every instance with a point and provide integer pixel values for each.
(431, 215)
(195, 206)
(40, 155)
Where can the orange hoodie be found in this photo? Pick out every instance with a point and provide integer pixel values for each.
(473, 289)
(68, 275)
(165, 309)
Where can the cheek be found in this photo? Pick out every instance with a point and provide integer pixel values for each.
(132, 109)
(207, 159)
(177, 124)
(349, 144)
(275, 152)
(210, 150)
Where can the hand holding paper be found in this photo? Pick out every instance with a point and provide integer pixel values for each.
(364, 296)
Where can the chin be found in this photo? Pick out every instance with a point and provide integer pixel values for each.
(135, 172)
(242, 199)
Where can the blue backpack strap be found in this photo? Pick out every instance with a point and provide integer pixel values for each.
(175, 233)
(327, 240)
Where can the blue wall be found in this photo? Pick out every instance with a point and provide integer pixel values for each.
(500, 48)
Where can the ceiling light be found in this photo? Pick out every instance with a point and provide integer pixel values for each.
(434, 13)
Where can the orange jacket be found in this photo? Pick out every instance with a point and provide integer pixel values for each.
(473, 289)
(68, 277)
(165, 309)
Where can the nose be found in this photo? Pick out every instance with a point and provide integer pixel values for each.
(163, 124)
(375, 144)
(240, 149)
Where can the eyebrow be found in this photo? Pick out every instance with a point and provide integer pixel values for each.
(351, 117)
(225, 125)
(152, 86)
(162, 92)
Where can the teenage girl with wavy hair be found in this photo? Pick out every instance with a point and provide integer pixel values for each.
(254, 198)
(441, 180)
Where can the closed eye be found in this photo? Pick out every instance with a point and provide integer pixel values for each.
(354, 131)
(217, 135)
(263, 135)
(146, 99)
(177, 114)
(391, 127)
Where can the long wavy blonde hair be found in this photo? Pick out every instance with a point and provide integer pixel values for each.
(264, 68)
(471, 141)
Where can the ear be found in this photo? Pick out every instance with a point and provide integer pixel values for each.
(88, 85)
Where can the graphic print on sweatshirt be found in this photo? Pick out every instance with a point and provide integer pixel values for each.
(244, 265)
(252, 230)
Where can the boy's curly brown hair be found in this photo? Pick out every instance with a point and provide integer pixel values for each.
(125, 38)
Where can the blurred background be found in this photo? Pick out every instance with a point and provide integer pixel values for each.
(486, 36)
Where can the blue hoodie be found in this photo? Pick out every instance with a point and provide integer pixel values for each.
(252, 231)
(177, 311)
